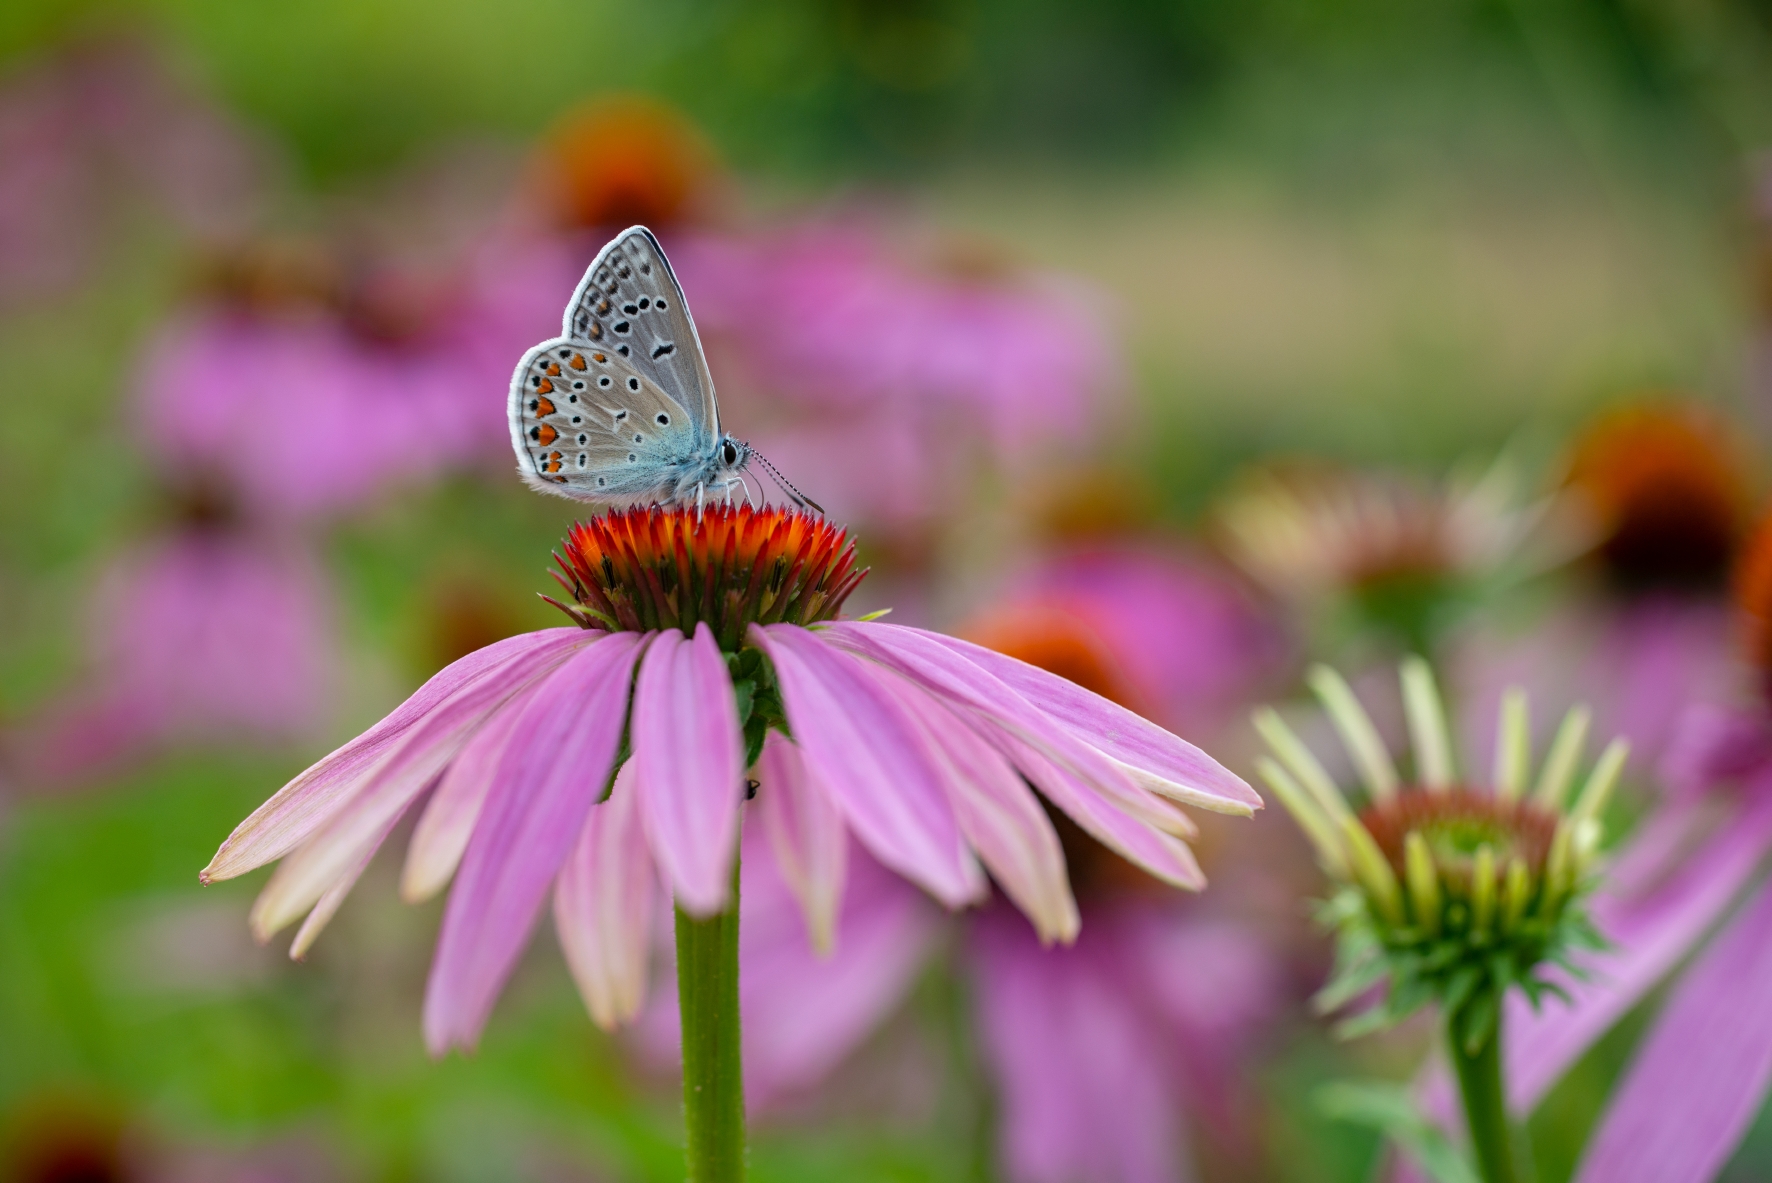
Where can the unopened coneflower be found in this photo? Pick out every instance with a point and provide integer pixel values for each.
(588, 763)
(1447, 892)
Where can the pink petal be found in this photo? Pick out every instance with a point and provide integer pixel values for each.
(395, 782)
(1162, 855)
(914, 654)
(543, 790)
(603, 906)
(448, 821)
(806, 836)
(1193, 776)
(1650, 936)
(1698, 1080)
(1000, 817)
(690, 752)
(1080, 1070)
(311, 800)
(328, 904)
(859, 744)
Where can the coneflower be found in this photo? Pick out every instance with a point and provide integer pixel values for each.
(1446, 892)
(586, 763)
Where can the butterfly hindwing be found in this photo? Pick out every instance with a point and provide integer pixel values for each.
(630, 305)
(587, 424)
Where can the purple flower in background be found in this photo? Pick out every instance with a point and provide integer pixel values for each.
(879, 380)
(289, 396)
(914, 743)
(198, 636)
(92, 136)
(1102, 1049)
(1663, 487)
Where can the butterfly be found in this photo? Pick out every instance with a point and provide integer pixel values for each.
(620, 407)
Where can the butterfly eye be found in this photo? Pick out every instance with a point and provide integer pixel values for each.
(729, 453)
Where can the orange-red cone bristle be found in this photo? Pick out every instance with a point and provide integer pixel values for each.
(641, 569)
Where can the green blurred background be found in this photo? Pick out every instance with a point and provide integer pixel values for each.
(1363, 228)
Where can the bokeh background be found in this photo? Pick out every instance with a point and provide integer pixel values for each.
(264, 270)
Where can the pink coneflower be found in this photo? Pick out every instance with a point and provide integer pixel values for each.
(1108, 1053)
(296, 383)
(196, 637)
(544, 773)
(1664, 487)
(883, 376)
(99, 137)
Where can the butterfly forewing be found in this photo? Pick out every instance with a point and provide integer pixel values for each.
(631, 306)
(588, 424)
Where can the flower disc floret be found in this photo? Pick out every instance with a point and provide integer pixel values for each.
(638, 570)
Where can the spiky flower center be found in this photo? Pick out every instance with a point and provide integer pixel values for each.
(637, 570)
(1456, 826)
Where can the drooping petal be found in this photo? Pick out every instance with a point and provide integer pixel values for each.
(992, 701)
(1080, 1069)
(327, 906)
(690, 756)
(1000, 817)
(394, 783)
(1193, 777)
(448, 821)
(303, 806)
(864, 750)
(542, 792)
(1699, 1078)
(806, 835)
(1159, 854)
(603, 906)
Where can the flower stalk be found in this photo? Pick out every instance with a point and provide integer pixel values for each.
(1485, 1106)
(713, 1073)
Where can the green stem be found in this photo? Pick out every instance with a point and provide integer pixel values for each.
(1485, 1102)
(713, 1075)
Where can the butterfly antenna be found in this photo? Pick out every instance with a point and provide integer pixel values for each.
(787, 486)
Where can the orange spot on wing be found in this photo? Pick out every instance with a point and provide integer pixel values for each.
(596, 331)
(546, 435)
(543, 408)
(599, 358)
(578, 361)
(554, 368)
(546, 387)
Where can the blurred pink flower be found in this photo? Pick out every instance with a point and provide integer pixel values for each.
(199, 636)
(1165, 634)
(1638, 663)
(914, 742)
(878, 382)
(96, 134)
(298, 416)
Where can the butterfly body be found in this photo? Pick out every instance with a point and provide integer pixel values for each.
(620, 407)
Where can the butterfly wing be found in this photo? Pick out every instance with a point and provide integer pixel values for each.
(630, 304)
(587, 424)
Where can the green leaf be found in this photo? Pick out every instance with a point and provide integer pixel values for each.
(1389, 1109)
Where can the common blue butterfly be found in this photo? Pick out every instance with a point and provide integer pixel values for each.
(620, 407)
